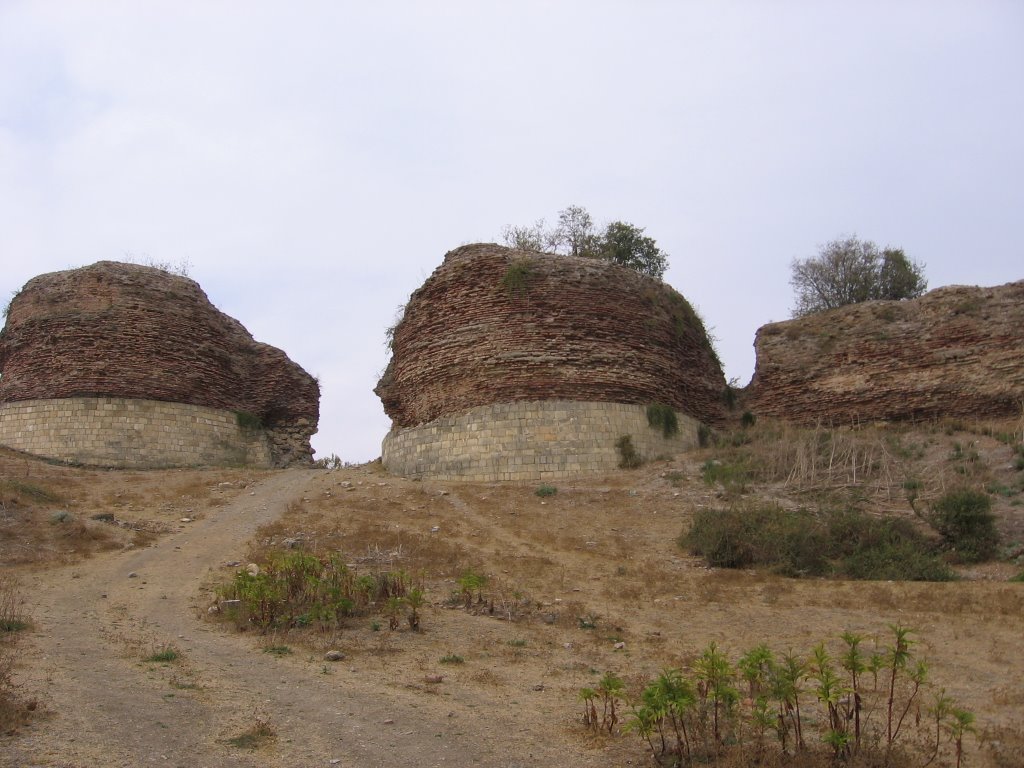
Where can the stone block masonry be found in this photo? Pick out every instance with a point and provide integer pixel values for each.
(529, 441)
(131, 433)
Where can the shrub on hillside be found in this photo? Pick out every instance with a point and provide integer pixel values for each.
(847, 544)
(965, 521)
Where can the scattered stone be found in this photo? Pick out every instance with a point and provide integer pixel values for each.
(291, 543)
(232, 563)
(434, 678)
(186, 519)
(334, 656)
(435, 529)
(389, 721)
(253, 569)
(133, 575)
(619, 646)
(538, 687)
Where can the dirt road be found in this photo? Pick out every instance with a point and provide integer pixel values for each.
(98, 619)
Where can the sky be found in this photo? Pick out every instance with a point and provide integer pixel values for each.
(312, 162)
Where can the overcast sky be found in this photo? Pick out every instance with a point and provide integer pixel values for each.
(314, 161)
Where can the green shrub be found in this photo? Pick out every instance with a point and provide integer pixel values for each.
(747, 420)
(248, 421)
(516, 277)
(964, 520)
(704, 435)
(846, 543)
(628, 457)
(663, 417)
(732, 477)
(546, 490)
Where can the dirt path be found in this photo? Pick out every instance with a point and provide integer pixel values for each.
(95, 623)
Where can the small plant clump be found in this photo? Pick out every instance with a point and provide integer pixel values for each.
(663, 417)
(516, 277)
(297, 589)
(546, 490)
(628, 457)
(762, 708)
(163, 655)
(452, 658)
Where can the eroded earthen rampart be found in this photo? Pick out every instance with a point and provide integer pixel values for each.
(956, 351)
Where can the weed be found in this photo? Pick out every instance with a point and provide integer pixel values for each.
(704, 435)
(297, 589)
(628, 457)
(588, 622)
(517, 642)
(452, 658)
(257, 735)
(747, 420)
(517, 277)
(732, 477)
(545, 490)
(248, 422)
(663, 417)
(470, 582)
(698, 715)
(163, 655)
(278, 650)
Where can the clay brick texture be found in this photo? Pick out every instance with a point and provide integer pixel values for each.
(496, 325)
(129, 331)
(957, 351)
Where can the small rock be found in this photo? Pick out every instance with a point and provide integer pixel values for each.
(252, 569)
(334, 656)
(133, 575)
(538, 687)
(434, 678)
(567, 646)
(186, 519)
(232, 563)
(389, 722)
(435, 529)
(291, 543)
(619, 646)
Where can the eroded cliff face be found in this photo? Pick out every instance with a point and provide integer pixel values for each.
(957, 351)
(124, 330)
(496, 325)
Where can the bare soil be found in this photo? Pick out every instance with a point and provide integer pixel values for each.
(581, 582)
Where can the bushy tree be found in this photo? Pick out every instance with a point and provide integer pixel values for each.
(849, 271)
(575, 235)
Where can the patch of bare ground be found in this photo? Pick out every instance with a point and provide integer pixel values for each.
(529, 599)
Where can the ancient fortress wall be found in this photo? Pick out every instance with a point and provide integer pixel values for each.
(529, 441)
(131, 433)
(517, 365)
(956, 351)
(128, 333)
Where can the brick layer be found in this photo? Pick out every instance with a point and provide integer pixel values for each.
(957, 351)
(494, 325)
(529, 442)
(129, 331)
(119, 432)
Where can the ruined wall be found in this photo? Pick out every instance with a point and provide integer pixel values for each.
(957, 351)
(494, 326)
(117, 432)
(129, 331)
(529, 441)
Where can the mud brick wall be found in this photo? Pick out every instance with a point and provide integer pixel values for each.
(529, 442)
(129, 331)
(127, 433)
(495, 325)
(957, 351)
